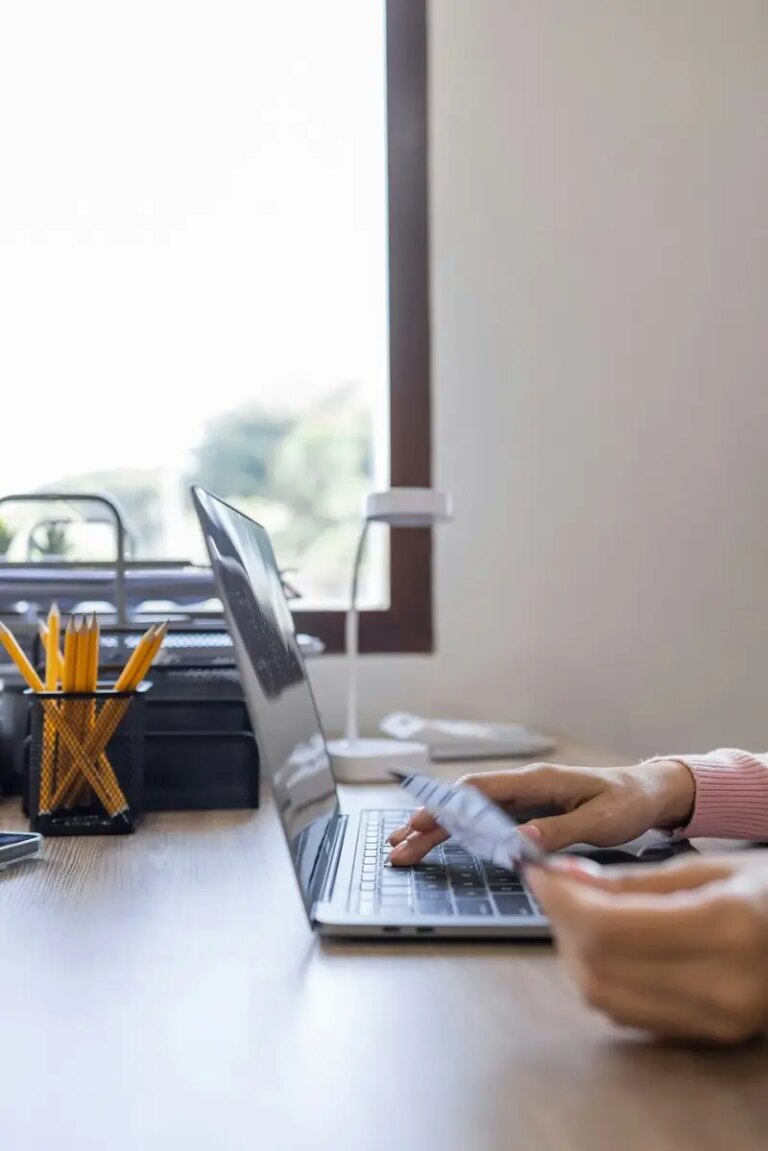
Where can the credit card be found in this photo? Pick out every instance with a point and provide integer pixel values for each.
(472, 820)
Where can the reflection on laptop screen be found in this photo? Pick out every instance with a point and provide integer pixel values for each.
(279, 699)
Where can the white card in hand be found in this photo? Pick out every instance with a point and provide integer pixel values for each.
(472, 820)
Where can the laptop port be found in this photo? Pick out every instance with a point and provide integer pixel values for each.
(391, 930)
(425, 931)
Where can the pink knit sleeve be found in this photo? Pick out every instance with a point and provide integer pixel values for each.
(731, 795)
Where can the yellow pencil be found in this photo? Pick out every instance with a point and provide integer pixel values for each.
(83, 632)
(93, 673)
(52, 669)
(149, 657)
(68, 682)
(58, 658)
(82, 644)
(50, 636)
(68, 677)
(93, 662)
(11, 645)
(137, 659)
(131, 676)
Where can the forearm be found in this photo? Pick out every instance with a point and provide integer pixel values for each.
(731, 799)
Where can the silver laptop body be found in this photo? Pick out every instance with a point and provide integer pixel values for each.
(339, 861)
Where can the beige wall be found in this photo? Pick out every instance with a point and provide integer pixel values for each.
(600, 330)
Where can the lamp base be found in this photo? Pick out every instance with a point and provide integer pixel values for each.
(370, 760)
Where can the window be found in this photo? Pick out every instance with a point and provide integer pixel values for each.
(214, 268)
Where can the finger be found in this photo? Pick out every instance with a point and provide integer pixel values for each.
(417, 845)
(658, 879)
(421, 820)
(600, 922)
(424, 824)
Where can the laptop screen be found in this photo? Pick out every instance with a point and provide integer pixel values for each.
(277, 692)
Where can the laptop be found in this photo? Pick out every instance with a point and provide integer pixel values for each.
(340, 861)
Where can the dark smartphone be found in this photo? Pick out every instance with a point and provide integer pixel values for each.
(18, 845)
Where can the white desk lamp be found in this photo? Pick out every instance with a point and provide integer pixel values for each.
(356, 760)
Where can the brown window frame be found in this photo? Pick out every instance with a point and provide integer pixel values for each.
(407, 625)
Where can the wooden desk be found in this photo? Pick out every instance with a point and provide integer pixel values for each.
(164, 991)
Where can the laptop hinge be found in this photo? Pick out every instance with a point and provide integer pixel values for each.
(332, 864)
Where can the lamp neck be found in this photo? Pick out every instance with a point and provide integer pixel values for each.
(359, 554)
(351, 732)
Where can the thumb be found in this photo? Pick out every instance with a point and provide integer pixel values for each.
(558, 831)
(562, 897)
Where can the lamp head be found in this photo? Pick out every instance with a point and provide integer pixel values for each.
(409, 507)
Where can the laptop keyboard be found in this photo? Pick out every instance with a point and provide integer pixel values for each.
(448, 881)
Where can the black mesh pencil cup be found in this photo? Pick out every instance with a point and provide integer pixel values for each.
(86, 764)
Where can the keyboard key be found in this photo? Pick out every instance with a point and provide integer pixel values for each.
(512, 904)
(474, 906)
(434, 906)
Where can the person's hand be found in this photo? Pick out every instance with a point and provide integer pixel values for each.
(680, 949)
(603, 806)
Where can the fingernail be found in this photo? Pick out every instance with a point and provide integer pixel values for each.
(530, 831)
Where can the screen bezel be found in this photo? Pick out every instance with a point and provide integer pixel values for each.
(325, 852)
